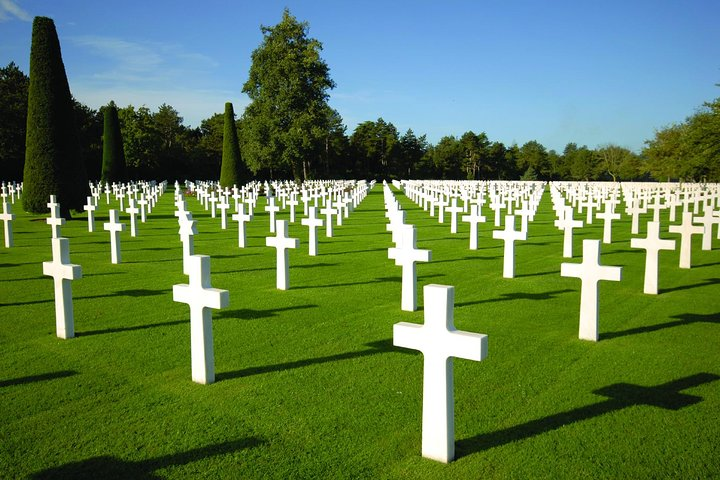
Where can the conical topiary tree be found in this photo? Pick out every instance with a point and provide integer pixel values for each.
(113, 166)
(232, 164)
(53, 162)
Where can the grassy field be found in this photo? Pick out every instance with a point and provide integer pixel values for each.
(308, 382)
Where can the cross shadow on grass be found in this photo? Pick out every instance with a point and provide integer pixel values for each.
(130, 329)
(119, 293)
(704, 283)
(381, 346)
(107, 467)
(252, 314)
(683, 319)
(667, 396)
(517, 296)
(37, 378)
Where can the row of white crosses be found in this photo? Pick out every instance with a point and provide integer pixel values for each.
(11, 190)
(437, 338)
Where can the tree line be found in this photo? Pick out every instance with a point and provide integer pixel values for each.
(289, 131)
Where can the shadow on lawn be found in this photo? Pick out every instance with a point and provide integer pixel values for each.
(381, 346)
(251, 314)
(37, 378)
(120, 293)
(130, 329)
(517, 296)
(107, 467)
(684, 319)
(704, 283)
(620, 396)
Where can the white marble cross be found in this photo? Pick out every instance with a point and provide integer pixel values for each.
(272, 209)
(90, 209)
(652, 245)
(133, 211)
(635, 210)
(213, 202)
(454, 210)
(566, 224)
(7, 218)
(114, 227)
(55, 221)
(509, 235)
(686, 230)
(439, 342)
(143, 211)
(406, 255)
(63, 272)
(201, 297)
(313, 223)
(608, 215)
(328, 211)
(707, 221)
(223, 205)
(241, 217)
(473, 219)
(188, 229)
(590, 272)
(293, 202)
(282, 243)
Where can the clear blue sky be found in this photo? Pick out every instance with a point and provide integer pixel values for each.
(590, 72)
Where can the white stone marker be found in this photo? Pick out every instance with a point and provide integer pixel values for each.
(223, 205)
(114, 227)
(406, 255)
(707, 221)
(90, 209)
(188, 229)
(454, 210)
(652, 245)
(590, 272)
(509, 235)
(272, 209)
(133, 211)
(473, 219)
(7, 218)
(566, 224)
(63, 272)
(142, 202)
(201, 297)
(55, 221)
(241, 217)
(439, 342)
(282, 243)
(312, 222)
(328, 211)
(293, 202)
(608, 215)
(686, 230)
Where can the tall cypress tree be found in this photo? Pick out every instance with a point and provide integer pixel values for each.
(232, 164)
(113, 166)
(53, 162)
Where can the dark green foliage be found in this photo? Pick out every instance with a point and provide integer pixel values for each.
(232, 164)
(13, 112)
(53, 162)
(113, 167)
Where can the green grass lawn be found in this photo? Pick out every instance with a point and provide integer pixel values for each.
(308, 382)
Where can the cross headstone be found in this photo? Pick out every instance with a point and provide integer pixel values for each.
(7, 218)
(608, 215)
(213, 202)
(509, 235)
(114, 227)
(566, 224)
(201, 297)
(590, 272)
(293, 202)
(282, 243)
(328, 211)
(272, 209)
(55, 221)
(223, 205)
(406, 255)
(652, 245)
(188, 230)
(686, 230)
(473, 219)
(63, 272)
(312, 222)
(90, 209)
(143, 211)
(439, 342)
(454, 209)
(707, 221)
(133, 211)
(241, 217)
